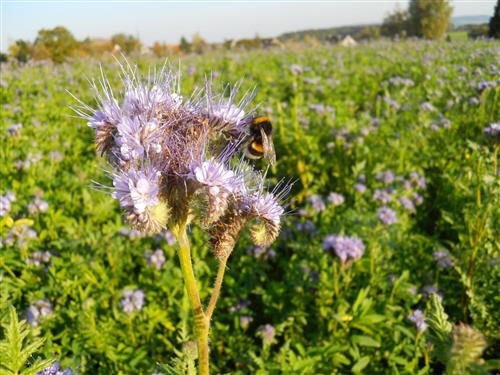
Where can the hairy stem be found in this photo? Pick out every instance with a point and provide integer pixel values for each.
(202, 324)
(217, 287)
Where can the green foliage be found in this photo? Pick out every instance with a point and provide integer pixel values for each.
(128, 44)
(429, 18)
(21, 51)
(329, 317)
(17, 349)
(494, 25)
(58, 42)
(395, 23)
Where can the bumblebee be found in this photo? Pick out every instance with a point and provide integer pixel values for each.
(260, 144)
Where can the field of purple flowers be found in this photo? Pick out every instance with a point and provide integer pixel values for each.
(387, 261)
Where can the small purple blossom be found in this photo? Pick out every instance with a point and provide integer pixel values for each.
(39, 257)
(443, 259)
(133, 300)
(245, 321)
(386, 177)
(335, 199)
(38, 205)
(407, 203)
(387, 215)
(360, 188)
(427, 107)
(344, 247)
(156, 258)
(431, 289)
(306, 226)
(14, 129)
(137, 190)
(418, 318)
(493, 130)
(6, 202)
(55, 369)
(382, 196)
(317, 202)
(268, 332)
(38, 310)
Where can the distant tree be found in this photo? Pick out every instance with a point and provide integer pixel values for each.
(159, 49)
(198, 44)
(368, 33)
(429, 18)
(494, 29)
(21, 51)
(478, 31)
(59, 43)
(128, 44)
(3, 57)
(395, 23)
(185, 46)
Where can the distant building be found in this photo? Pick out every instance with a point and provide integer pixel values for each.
(348, 41)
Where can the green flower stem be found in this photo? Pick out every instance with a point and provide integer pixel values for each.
(216, 291)
(202, 324)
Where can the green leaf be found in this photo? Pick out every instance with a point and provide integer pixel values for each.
(361, 364)
(365, 341)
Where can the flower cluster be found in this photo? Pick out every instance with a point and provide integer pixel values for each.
(55, 369)
(156, 258)
(38, 258)
(38, 310)
(132, 300)
(344, 247)
(175, 159)
(418, 318)
(6, 202)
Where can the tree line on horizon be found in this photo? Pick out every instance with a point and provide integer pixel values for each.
(428, 19)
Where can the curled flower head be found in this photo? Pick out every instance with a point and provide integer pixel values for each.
(138, 193)
(174, 158)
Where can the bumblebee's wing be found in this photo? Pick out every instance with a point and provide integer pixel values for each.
(267, 142)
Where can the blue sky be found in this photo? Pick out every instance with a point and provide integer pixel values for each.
(167, 21)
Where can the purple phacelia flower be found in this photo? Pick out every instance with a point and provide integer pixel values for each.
(382, 196)
(335, 199)
(306, 226)
(137, 191)
(168, 236)
(133, 300)
(296, 69)
(267, 332)
(55, 369)
(443, 259)
(317, 202)
(156, 258)
(427, 107)
(431, 289)
(6, 203)
(344, 247)
(360, 188)
(418, 318)
(407, 203)
(493, 130)
(39, 257)
(38, 310)
(386, 177)
(38, 205)
(14, 129)
(245, 321)
(387, 216)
